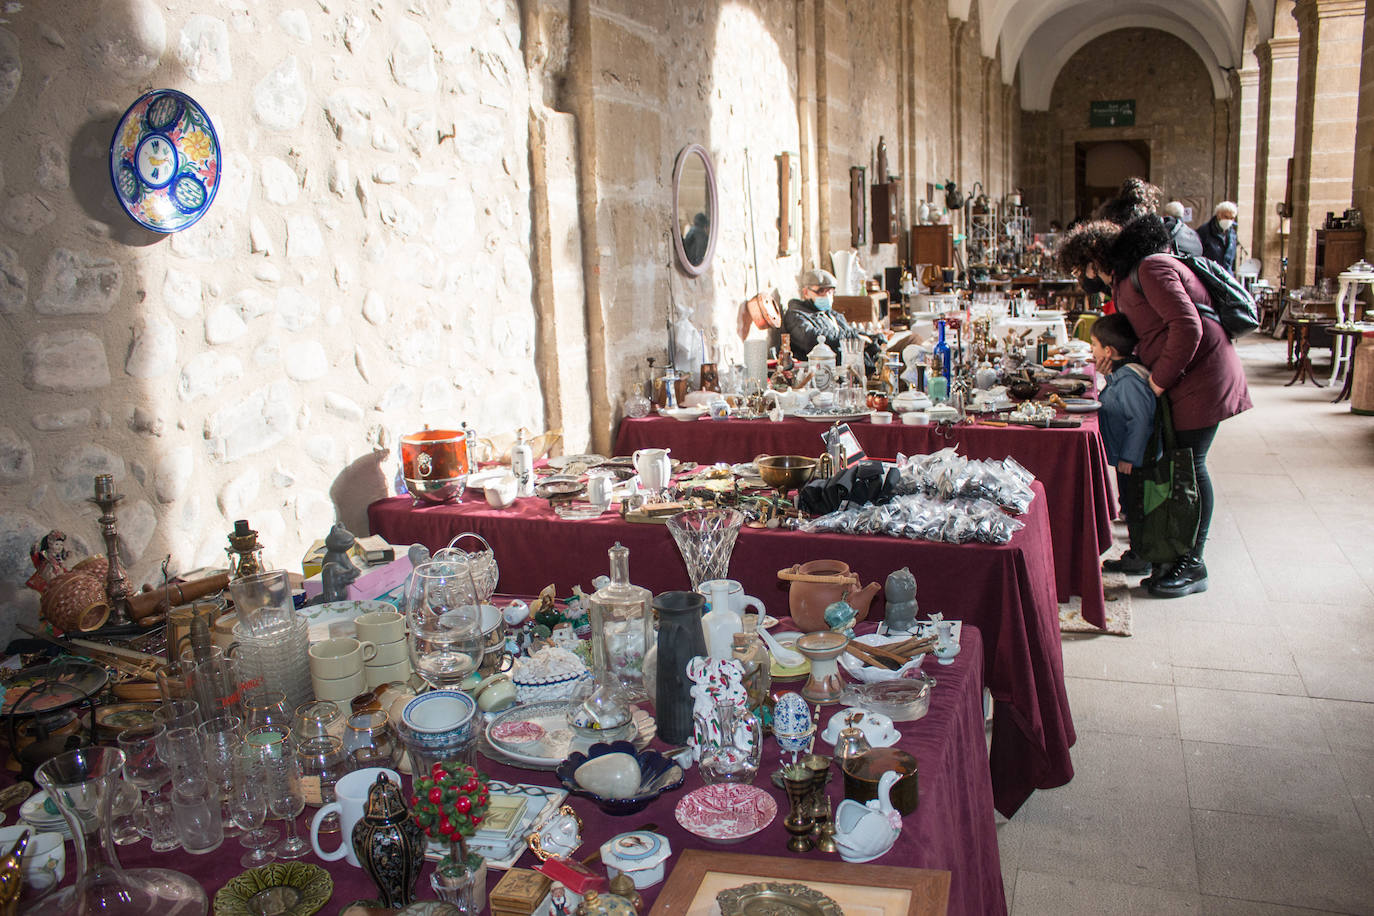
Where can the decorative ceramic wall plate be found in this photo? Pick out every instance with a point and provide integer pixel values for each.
(726, 812)
(165, 161)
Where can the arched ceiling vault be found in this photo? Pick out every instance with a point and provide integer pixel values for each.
(1039, 36)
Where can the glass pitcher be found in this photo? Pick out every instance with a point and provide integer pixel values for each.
(729, 743)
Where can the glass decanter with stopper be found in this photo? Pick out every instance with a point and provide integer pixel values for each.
(756, 660)
(83, 783)
(622, 628)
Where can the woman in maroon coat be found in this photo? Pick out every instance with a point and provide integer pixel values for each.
(1190, 357)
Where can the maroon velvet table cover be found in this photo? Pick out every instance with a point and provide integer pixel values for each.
(1071, 463)
(952, 828)
(1007, 591)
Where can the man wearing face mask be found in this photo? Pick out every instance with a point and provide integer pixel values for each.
(1219, 236)
(812, 317)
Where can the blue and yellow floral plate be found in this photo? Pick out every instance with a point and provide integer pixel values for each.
(165, 161)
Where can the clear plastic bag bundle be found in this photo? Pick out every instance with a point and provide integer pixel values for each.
(946, 475)
(921, 517)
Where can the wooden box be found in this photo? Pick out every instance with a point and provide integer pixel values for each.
(1337, 249)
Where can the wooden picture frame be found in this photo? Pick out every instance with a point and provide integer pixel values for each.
(921, 891)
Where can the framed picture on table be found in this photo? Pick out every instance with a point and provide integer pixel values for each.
(857, 890)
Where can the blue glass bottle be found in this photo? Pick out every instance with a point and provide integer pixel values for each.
(939, 387)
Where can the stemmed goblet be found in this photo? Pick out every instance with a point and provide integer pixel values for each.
(144, 768)
(281, 775)
(219, 738)
(445, 638)
(248, 805)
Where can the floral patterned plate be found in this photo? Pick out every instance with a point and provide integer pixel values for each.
(165, 161)
(726, 812)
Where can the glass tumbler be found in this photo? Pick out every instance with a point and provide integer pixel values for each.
(266, 709)
(264, 602)
(196, 811)
(178, 714)
(322, 762)
(370, 739)
(220, 737)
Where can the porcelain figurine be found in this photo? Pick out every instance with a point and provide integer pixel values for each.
(337, 572)
(389, 844)
(714, 682)
(900, 590)
(840, 616)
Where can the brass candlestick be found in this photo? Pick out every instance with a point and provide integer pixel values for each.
(796, 780)
(245, 554)
(117, 587)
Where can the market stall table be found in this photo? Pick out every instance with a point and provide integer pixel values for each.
(1071, 463)
(951, 829)
(1007, 591)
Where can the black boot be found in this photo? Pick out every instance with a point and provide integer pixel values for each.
(1186, 576)
(1130, 563)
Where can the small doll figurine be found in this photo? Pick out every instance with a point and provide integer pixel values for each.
(337, 572)
(558, 901)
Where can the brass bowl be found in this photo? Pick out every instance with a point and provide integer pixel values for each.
(786, 472)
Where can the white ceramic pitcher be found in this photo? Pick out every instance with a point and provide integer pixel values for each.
(654, 466)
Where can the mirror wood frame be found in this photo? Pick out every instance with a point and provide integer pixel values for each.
(686, 266)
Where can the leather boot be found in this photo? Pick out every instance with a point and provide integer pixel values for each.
(1185, 577)
(1129, 563)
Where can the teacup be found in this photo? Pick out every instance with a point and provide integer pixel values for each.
(350, 794)
(340, 657)
(380, 626)
(45, 857)
(339, 689)
(377, 675)
(390, 653)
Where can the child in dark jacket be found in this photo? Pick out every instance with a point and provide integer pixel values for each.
(1127, 416)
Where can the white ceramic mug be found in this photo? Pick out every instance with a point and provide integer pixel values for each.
(380, 626)
(654, 466)
(350, 794)
(390, 653)
(339, 689)
(739, 601)
(599, 485)
(340, 657)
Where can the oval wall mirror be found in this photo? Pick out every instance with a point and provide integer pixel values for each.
(694, 209)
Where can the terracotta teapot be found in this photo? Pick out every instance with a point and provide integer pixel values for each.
(819, 584)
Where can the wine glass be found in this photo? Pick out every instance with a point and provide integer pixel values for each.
(322, 762)
(178, 714)
(281, 775)
(266, 709)
(248, 805)
(445, 639)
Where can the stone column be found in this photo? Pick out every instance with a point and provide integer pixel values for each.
(1363, 190)
(1274, 116)
(1247, 79)
(1330, 42)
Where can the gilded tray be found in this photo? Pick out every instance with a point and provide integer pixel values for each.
(281, 888)
(775, 898)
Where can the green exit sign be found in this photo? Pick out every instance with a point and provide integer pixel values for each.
(1112, 113)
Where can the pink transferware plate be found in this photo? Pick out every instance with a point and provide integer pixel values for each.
(726, 812)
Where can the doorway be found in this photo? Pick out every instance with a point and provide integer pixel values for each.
(1099, 167)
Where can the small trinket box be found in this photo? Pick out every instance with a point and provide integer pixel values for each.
(518, 893)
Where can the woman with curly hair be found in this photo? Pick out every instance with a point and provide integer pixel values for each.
(1190, 358)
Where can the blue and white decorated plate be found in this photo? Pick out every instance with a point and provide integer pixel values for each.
(165, 161)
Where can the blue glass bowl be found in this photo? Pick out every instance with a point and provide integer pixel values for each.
(657, 774)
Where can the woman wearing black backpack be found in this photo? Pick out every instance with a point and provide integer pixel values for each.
(1190, 357)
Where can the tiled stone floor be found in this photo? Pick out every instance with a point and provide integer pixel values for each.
(1225, 756)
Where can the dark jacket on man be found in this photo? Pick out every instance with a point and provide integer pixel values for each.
(808, 324)
(1219, 244)
(1182, 238)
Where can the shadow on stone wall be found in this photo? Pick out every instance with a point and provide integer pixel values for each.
(89, 157)
(360, 483)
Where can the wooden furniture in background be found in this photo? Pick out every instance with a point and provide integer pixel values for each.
(1337, 249)
(887, 226)
(932, 245)
(861, 309)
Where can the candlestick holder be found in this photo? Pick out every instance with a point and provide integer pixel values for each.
(117, 586)
(245, 554)
(796, 781)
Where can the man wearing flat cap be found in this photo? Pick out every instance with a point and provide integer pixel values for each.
(811, 317)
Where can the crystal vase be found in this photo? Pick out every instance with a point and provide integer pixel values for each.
(706, 537)
(83, 783)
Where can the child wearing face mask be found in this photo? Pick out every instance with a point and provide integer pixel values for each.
(1126, 417)
(1219, 237)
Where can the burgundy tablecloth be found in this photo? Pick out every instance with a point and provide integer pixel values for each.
(1071, 463)
(1007, 591)
(952, 828)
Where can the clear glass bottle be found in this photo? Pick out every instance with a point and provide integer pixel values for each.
(622, 627)
(757, 662)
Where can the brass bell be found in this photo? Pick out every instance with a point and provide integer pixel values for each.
(851, 742)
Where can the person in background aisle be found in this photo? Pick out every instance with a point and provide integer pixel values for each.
(1218, 236)
(1127, 417)
(812, 317)
(1183, 239)
(1189, 356)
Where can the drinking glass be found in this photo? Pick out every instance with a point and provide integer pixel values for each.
(266, 709)
(178, 714)
(126, 822)
(445, 638)
(248, 804)
(322, 762)
(180, 749)
(316, 719)
(370, 739)
(281, 776)
(219, 739)
(218, 685)
(161, 820)
(173, 682)
(195, 808)
(142, 765)
(264, 602)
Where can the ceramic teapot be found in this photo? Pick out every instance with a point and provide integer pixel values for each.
(864, 832)
(820, 583)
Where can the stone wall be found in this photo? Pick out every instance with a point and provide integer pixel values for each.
(1174, 114)
(364, 270)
